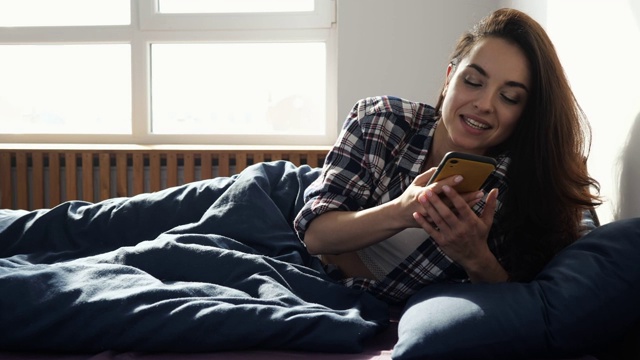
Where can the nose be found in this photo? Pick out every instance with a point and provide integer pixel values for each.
(484, 101)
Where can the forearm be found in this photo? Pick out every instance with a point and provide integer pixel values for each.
(337, 232)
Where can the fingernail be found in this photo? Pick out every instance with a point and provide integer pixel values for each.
(479, 195)
(458, 179)
(446, 188)
(429, 193)
(422, 199)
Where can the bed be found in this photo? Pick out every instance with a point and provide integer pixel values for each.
(211, 269)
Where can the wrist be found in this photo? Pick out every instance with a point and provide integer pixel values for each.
(486, 269)
(393, 215)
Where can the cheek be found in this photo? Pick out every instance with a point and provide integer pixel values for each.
(448, 104)
(509, 122)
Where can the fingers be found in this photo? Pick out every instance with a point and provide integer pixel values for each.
(450, 181)
(437, 210)
(459, 203)
(453, 208)
(425, 224)
(452, 205)
(472, 198)
(453, 225)
(423, 179)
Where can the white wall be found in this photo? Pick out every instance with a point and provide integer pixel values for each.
(400, 47)
(598, 42)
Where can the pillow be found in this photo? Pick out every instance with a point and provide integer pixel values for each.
(585, 298)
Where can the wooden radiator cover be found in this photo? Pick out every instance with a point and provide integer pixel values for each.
(34, 176)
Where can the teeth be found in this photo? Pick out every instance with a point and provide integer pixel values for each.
(475, 124)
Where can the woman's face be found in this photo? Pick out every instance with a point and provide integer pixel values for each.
(485, 96)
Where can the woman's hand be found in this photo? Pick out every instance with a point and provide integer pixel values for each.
(337, 232)
(409, 202)
(460, 233)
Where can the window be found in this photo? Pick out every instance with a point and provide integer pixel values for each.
(168, 71)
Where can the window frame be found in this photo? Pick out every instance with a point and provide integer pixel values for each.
(321, 17)
(148, 26)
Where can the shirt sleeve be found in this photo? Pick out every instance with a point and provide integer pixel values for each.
(588, 222)
(351, 168)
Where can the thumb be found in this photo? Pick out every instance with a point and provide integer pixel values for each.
(490, 207)
(423, 179)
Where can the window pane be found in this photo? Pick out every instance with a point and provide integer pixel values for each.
(270, 88)
(64, 12)
(234, 6)
(65, 89)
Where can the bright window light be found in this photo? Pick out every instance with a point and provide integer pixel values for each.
(73, 89)
(234, 6)
(64, 12)
(251, 88)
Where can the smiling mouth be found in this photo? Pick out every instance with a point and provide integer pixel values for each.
(475, 124)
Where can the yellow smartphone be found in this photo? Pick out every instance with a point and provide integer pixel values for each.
(475, 169)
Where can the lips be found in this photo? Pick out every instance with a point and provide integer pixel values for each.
(475, 123)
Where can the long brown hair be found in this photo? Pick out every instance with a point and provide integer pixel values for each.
(549, 184)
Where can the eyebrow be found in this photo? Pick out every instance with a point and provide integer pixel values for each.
(481, 70)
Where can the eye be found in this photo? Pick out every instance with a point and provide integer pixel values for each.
(509, 99)
(472, 82)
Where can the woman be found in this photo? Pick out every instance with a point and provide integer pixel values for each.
(505, 96)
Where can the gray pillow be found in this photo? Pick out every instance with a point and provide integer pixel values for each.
(587, 297)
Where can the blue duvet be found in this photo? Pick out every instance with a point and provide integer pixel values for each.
(207, 266)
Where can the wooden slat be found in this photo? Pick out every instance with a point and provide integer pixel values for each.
(258, 157)
(172, 169)
(276, 156)
(54, 180)
(318, 158)
(223, 165)
(121, 175)
(6, 197)
(189, 169)
(105, 176)
(138, 173)
(294, 157)
(155, 173)
(241, 161)
(312, 159)
(87, 177)
(37, 181)
(70, 174)
(22, 188)
(206, 166)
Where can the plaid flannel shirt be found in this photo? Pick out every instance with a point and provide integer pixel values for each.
(382, 148)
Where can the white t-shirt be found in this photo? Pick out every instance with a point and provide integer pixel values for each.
(386, 255)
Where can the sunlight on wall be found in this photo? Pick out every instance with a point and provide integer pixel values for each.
(597, 42)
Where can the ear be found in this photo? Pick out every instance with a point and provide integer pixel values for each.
(449, 74)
